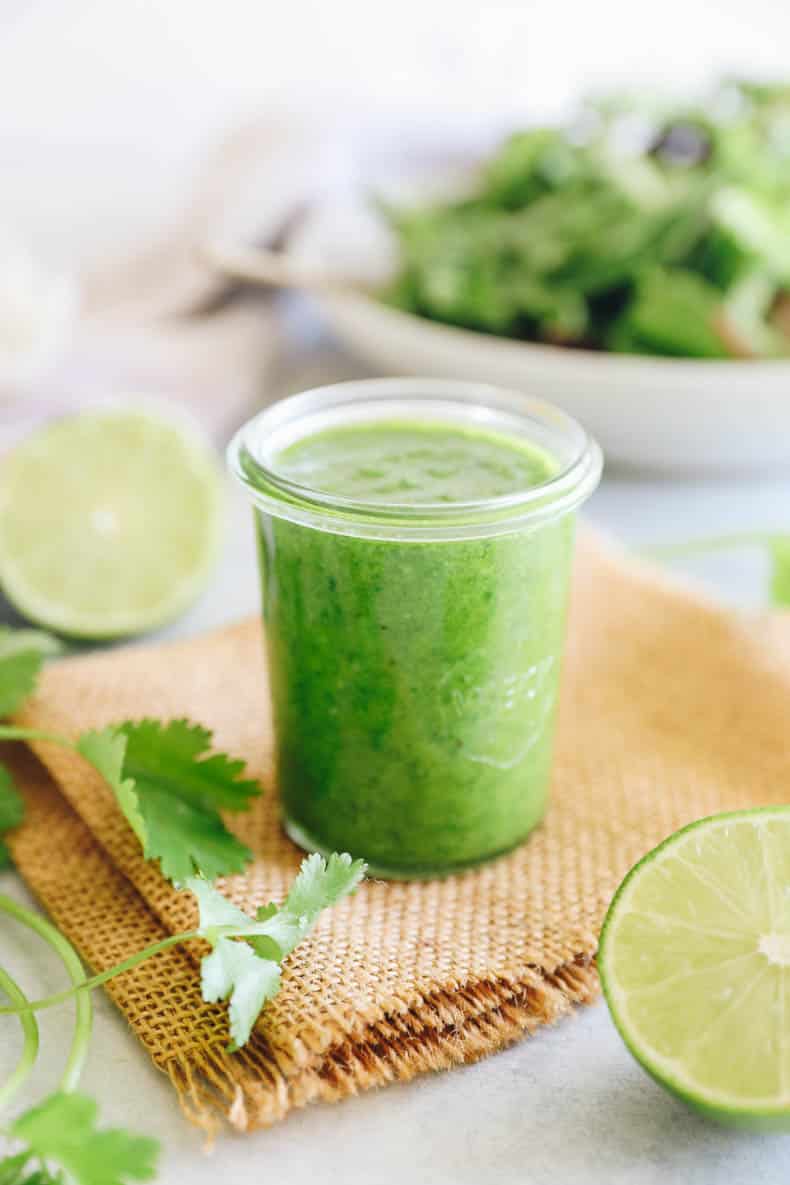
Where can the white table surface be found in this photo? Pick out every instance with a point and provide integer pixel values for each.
(567, 1105)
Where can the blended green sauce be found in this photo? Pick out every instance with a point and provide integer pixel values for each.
(393, 461)
(414, 683)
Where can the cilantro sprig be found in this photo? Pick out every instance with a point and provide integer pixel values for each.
(168, 785)
(171, 788)
(248, 972)
(268, 938)
(62, 1131)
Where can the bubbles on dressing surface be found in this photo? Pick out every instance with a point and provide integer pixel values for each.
(419, 463)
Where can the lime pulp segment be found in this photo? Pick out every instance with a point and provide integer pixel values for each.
(695, 964)
(109, 521)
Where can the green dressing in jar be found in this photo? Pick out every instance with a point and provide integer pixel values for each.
(415, 557)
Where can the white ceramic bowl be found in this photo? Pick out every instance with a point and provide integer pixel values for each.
(661, 414)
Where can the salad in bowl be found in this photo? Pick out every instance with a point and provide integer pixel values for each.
(634, 230)
(633, 267)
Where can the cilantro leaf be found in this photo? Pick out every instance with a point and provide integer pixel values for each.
(221, 918)
(171, 792)
(12, 809)
(217, 914)
(12, 1169)
(234, 970)
(62, 1130)
(321, 883)
(248, 972)
(175, 754)
(106, 751)
(22, 653)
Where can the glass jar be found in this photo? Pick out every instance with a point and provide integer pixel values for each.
(414, 643)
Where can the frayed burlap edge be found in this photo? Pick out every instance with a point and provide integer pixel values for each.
(259, 1085)
(445, 1030)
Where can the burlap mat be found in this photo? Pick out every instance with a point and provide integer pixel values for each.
(671, 709)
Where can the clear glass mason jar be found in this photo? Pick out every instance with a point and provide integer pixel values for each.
(414, 646)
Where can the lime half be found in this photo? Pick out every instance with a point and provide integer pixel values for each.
(695, 965)
(109, 521)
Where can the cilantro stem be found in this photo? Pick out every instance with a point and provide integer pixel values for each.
(10, 732)
(83, 1019)
(87, 985)
(30, 1048)
(707, 544)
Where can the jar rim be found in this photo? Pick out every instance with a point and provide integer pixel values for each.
(253, 450)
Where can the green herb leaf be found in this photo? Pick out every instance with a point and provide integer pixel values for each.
(248, 972)
(321, 883)
(12, 806)
(22, 653)
(12, 810)
(171, 792)
(12, 1170)
(234, 970)
(62, 1130)
(106, 752)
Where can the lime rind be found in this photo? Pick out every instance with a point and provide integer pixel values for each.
(770, 1112)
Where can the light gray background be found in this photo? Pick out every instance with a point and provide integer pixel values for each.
(566, 1106)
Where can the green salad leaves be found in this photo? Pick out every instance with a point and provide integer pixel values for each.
(637, 229)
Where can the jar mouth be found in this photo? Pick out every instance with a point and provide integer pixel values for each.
(575, 457)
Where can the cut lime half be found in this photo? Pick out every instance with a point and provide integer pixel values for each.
(109, 521)
(695, 964)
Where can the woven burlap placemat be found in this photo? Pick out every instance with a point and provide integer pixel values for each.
(671, 709)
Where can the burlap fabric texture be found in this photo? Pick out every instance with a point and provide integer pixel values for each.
(671, 709)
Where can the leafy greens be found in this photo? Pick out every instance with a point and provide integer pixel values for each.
(636, 229)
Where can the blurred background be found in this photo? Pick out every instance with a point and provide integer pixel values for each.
(134, 133)
(109, 107)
